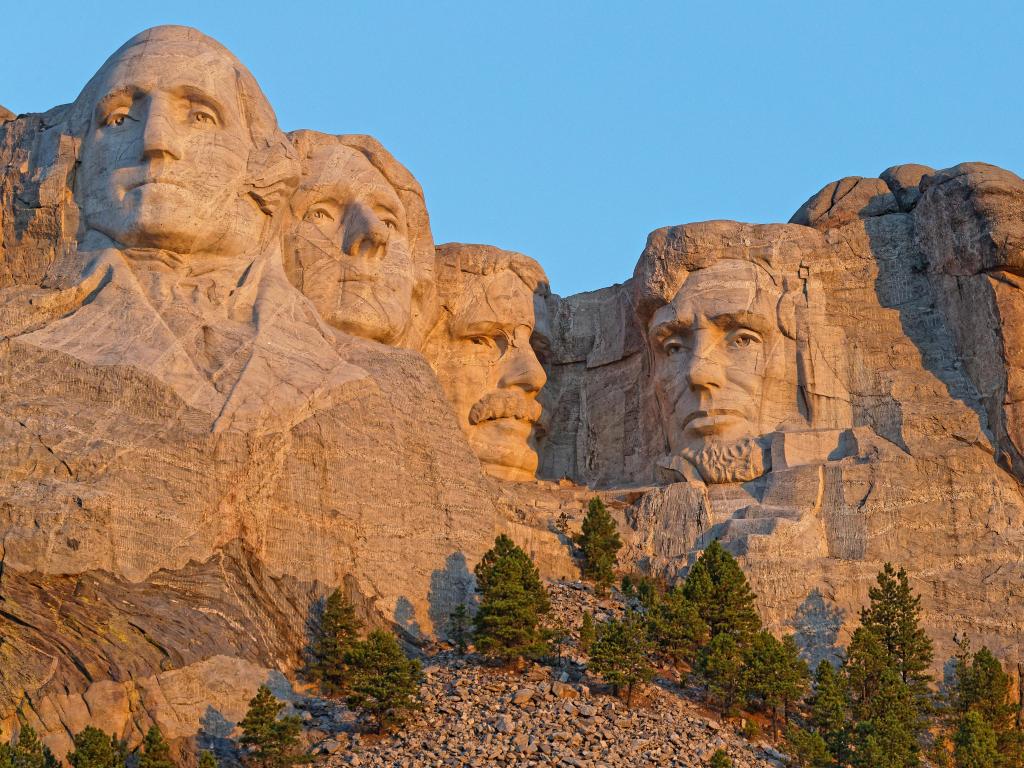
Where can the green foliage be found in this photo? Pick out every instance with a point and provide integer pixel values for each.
(676, 628)
(588, 632)
(886, 734)
(155, 752)
(982, 687)
(718, 588)
(807, 749)
(269, 741)
(975, 743)
(208, 760)
(459, 622)
(645, 589)
(384, 683)
(336, 632)
(893, 617)
(95, 749)
(28, 752)
(720, 759)
(720, 667)
(621, 653)
(513, 599)
(600, 544)
(828, 714)
(774, 675)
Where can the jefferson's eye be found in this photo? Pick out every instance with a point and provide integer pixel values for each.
(202, 117)
(319, 214)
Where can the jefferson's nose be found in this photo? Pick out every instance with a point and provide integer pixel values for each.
(522, 369)
(365, 234)
(704, 370)
(159, 139)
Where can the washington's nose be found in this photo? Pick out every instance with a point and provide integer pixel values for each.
(365, 235)
(159, 139)
(522, 369)
(704, 370)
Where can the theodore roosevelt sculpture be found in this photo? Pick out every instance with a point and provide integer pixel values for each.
(481, 350)
(360, 246)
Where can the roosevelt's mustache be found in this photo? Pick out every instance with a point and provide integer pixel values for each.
(505, 404)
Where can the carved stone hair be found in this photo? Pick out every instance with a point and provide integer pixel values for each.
(456, 260)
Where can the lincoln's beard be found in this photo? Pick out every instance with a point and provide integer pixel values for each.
(729, 462)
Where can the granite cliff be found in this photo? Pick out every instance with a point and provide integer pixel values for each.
(235, 372)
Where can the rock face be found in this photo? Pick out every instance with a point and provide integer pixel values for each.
(235, 373)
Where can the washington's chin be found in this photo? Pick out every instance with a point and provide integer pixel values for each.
(504, 449)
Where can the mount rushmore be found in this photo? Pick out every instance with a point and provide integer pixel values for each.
(236, 372)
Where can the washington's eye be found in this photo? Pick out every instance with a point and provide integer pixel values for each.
(117, 118)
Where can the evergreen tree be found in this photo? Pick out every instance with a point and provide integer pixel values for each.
(807, 749)
(720, 667)
(459, 623)
(588, 632)
(208, 760)
(676, 627)
(270, 741)
(893, 616)
(720, 759)
(95, 749)
(718, 588)
(828, 709)
(6, 755)
(513, 599)
(600, 544)
(29, 752)
(975, 744)
(337, 631)
(983, 687)
(385, 683)
(887, 731)
(621, 654)
(155, 753)
(774, 675)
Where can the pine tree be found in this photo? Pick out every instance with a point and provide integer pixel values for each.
(807, 749)
(720, 667)
(95, 749)
(458, 628)
(513, 599)
(887, 731)
(600, 544)
(384, 683)
(208, 760)
(720, 759)
(156, 753)
(774, 675)
(893, 616)
(718, 588)
(270, 741)
(588, 632)
(30, 752)
(336, 632)
(828, 714)
(621, 654)
(975, 743)
(982, 686)
(676, 627)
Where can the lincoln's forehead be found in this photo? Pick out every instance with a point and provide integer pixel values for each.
(726, 286)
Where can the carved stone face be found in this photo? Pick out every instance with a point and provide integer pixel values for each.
(491, 373)
(163, 161)
(351, 242)
(716, 349)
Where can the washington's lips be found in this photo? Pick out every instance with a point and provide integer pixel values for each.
(710, 413)
(505, 404)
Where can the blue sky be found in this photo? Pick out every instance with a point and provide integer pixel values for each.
(569, 130)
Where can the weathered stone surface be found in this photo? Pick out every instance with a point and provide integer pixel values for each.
(235, 373)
